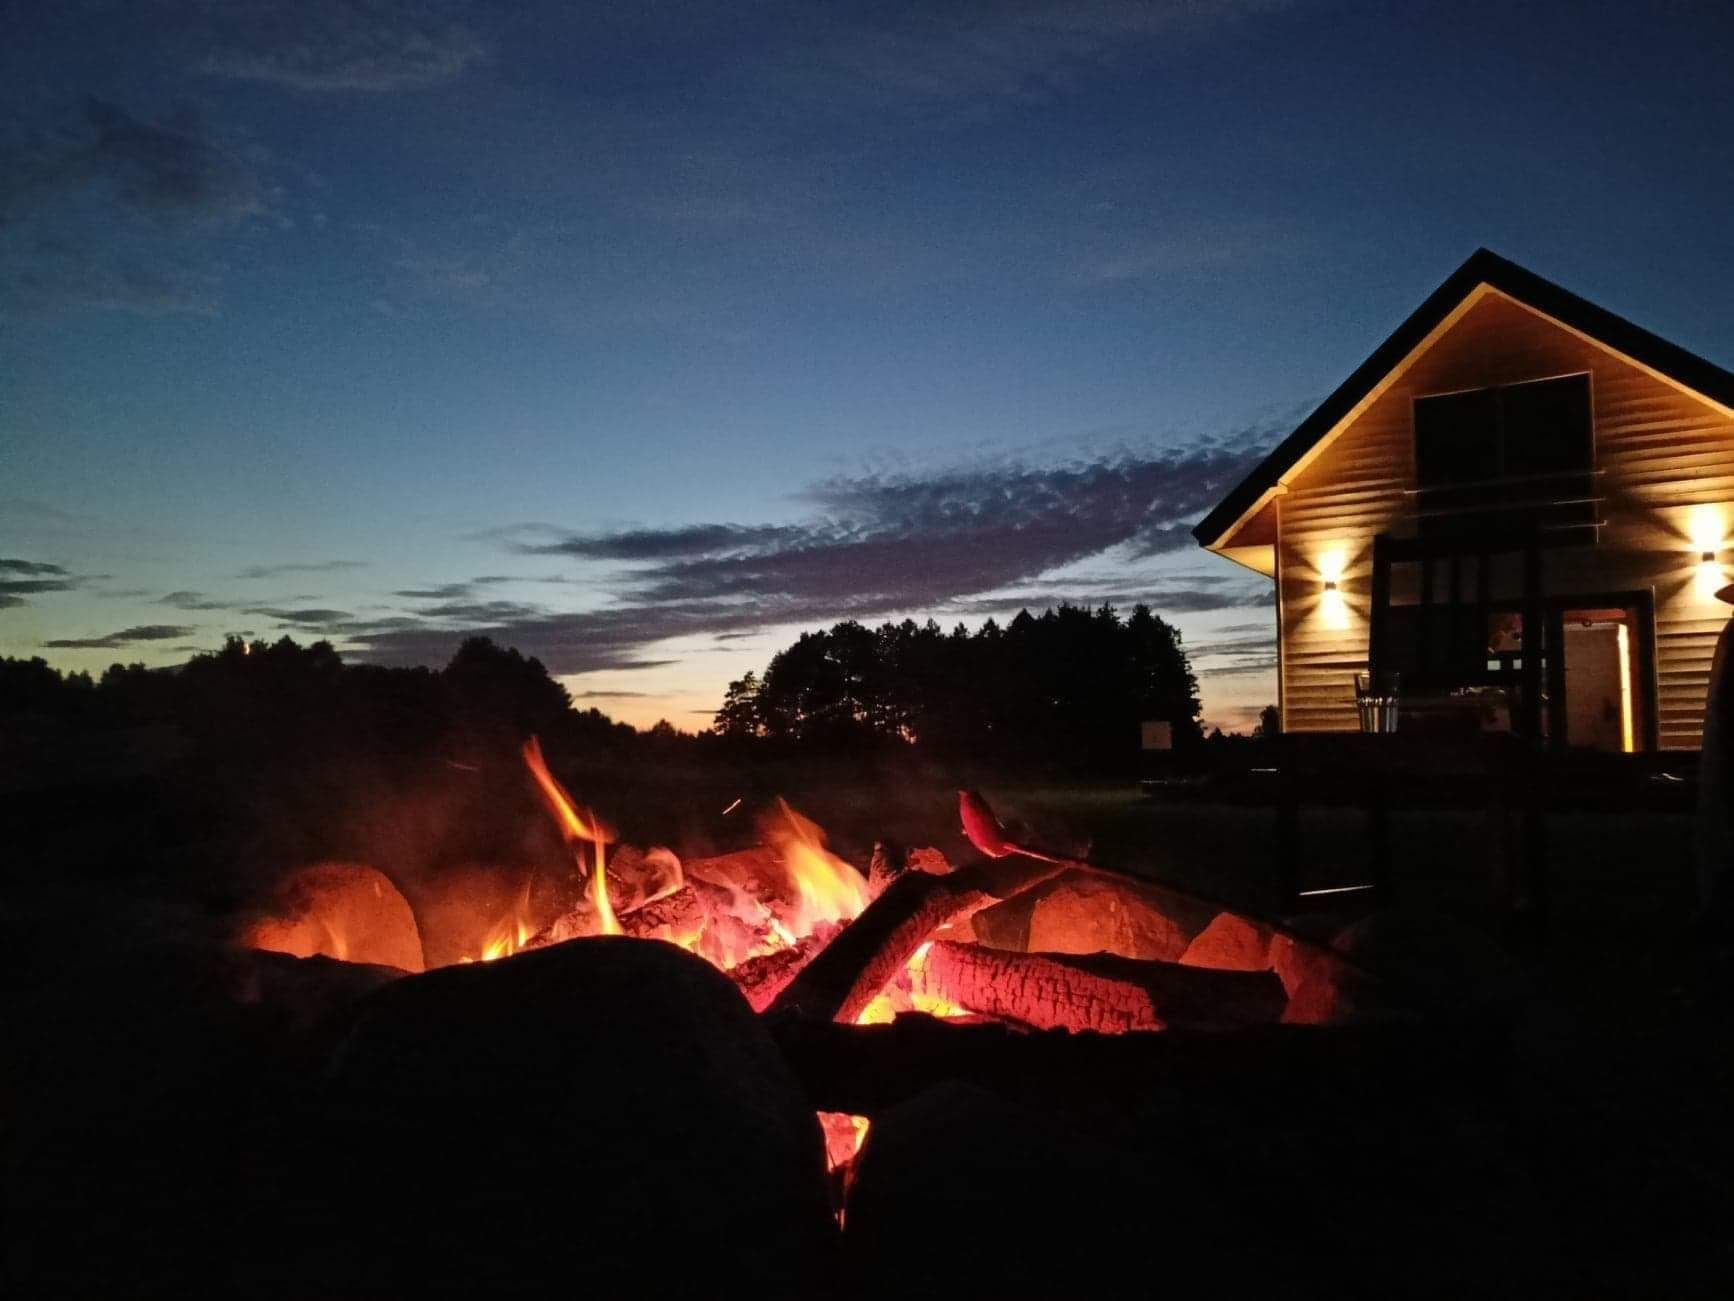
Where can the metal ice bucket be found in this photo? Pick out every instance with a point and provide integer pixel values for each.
(1376, 702)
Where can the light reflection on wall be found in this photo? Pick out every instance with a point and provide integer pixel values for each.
(1333, 605)
(1627, 734)
(1707, 527)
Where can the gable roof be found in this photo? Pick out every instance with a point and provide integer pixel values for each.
(1483, 268)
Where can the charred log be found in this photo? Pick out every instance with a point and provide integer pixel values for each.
(841, 981)
(1053, 991)
(699, 916)
(884, 867)
(891, 861)
(761, 979)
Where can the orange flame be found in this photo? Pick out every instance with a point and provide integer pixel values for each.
(576, 829)
(610, 924)
(558, 801)
(513, 932)
(829, 889)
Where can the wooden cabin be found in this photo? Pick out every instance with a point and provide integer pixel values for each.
(1514, 515)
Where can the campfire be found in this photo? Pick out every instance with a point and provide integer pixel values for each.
(1023, 938)
(770, 1071)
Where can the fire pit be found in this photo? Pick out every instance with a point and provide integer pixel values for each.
(766, 1072)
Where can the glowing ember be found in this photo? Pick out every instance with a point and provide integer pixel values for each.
(904, 995)
(844, 1135)
(931, 1004)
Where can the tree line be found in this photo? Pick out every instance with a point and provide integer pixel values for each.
(254, 699)
(1068, 688)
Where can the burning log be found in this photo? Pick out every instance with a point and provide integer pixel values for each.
(891, 861)
(884, 867)
(842, 980)
(762, 978)
(719, 923)
(1102, 992)
(639, 878)
(676, 917)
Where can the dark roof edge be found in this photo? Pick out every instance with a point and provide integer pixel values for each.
(1482, 267)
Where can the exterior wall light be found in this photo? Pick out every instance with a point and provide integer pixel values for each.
(1331, 584)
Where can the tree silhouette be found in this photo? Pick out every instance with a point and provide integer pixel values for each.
(739, 717)
(1067, 688)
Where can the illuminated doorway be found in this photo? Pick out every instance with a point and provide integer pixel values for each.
(1598, 686)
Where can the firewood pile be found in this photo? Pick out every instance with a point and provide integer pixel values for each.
(1131, 1089)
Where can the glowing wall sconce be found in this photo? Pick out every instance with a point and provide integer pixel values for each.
(1333, 607)
(1707, 527)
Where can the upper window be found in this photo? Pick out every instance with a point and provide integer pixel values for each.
(1498, 460)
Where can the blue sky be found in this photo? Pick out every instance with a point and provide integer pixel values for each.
(643, 336)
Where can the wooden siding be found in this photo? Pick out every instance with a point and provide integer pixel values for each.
(1659, 452)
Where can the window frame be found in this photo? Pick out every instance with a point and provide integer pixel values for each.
(1569, 534)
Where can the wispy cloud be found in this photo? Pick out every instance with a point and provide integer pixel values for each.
(662, 544)
(459, 591)
(172, 167)
(442, 592)
(876, 544)
(103, 208)
(1240, 648)
(305, 567)
(980, 57)
(338, 46)
(194, 601)
(39, 577)
(481, 612)
(1118, 255)
(125, 637)
(316, 617)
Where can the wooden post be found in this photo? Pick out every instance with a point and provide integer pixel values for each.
(1381, 603)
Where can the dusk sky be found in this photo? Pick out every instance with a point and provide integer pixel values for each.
(643, 336)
